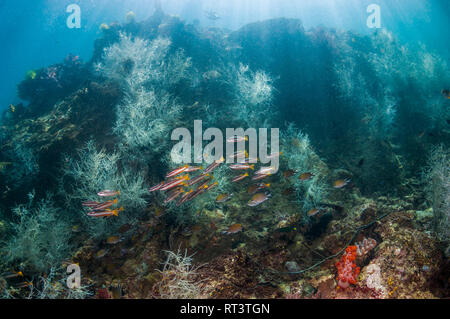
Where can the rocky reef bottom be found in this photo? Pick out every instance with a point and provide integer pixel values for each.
(404, 261)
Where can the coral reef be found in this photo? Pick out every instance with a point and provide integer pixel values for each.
(179, 278)
(347, 193)
(437, 177)
(39, 238)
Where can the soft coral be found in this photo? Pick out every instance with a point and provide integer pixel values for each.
(347, 269)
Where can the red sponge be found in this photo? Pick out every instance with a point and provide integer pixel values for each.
(347, 269)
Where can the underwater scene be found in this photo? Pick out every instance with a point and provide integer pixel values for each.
(195, 149)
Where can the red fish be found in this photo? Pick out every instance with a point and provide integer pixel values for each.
(174, 183)
(265, 170)
(213, 165)
(193, 169)
(105, 205)
(177, 171)
(90, 203)
(239, 178)
(211, 186)
(174, 195)
(105, 213)
(241, 166)
(108, 193)
(259, 176)
(197, 192)
(236, 139)
(238, 154)
(184, 198)
(197, 179)
(156, 187)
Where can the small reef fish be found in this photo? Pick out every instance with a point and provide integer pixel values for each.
(173, 196)
(239, 178)
(258, 199)
(203, 184)
(313, 212)
(24, 284)
(12, 108)
(257, 177)
(105, 213)
(90, 203)
(265, 170)
(305, 176)
(238, 154)
(112, 240)
(174, 190)
(289, 173)
(105, 205)
(251, 160)
(76, 229)
(12, 274)
(175, 183)
(222, 198)
(101, 253)
(241, 166)
(213, 165)
(198, 179)
(156, 187)
(193, 169)
(184, 198)
(201, 189)
(446, 93)
(108, 193)
(177, 171)
(341, 183)
(236, 139)
(197, 192)
(233, 229)
(252, 189)
(213, 185)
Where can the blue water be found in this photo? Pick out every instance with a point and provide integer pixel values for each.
(34, 33)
